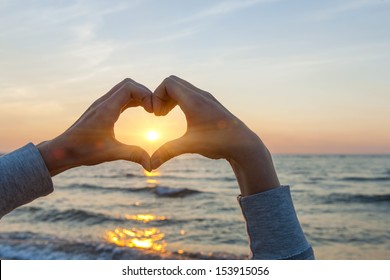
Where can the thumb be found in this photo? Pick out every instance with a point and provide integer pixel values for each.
(134, 154)
(169, 150)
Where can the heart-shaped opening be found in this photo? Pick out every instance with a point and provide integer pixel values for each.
(138, 127)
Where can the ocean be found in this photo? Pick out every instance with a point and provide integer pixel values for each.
(188, 209)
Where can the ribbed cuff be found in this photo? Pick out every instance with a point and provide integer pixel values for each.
(273, 227)
(23, 178)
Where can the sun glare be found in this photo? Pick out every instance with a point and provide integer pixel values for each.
(152, 135)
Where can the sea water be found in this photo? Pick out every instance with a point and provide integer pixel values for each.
(188, 209)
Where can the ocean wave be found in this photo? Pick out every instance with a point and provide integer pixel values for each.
(169, 176)
(356, 198)
(173, 192)
(68, 215)
(91, 218)
(162, 191)
(106, 189)
(315, 179)
(74, 215)
(121, 175)
(365, 179)
(34, 246)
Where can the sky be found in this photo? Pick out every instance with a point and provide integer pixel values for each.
(306, 76)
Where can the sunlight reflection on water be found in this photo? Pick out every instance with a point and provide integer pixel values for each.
(149, 239)
(146, 218)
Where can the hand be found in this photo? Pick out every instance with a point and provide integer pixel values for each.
(91, 139)
(213, 132)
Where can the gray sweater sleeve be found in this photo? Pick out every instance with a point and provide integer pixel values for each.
(23, 178)
(273, 227)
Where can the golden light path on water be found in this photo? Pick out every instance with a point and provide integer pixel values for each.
(142, 238)
(150, 238)
(146, 218)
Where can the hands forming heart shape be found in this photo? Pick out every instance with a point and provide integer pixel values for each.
(212, 131)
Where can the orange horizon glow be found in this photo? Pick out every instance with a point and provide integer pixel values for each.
(301, 135)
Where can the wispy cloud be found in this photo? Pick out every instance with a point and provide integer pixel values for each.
(222, 8)
(35, 19)
(183, 26)
(335, 57)
(64, 41)
(344, 7)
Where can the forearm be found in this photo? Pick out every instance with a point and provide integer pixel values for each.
(23, 178)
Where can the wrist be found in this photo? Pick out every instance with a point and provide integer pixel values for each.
(56, 156)
(253, 166)
(247, 147)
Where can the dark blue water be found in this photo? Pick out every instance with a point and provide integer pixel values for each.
(188, 209)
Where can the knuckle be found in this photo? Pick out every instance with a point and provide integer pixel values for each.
(127, 88)
(128, 85)
(209, 96)
(126, 80)
(168, 80)
(95, 103)
(172, 77)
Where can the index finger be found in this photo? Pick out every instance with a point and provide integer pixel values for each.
(128, 94)
(111, 92)
(171, 92)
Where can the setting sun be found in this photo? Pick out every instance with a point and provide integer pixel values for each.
(152, 136)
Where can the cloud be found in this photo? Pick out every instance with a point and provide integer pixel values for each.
(222, 8)
(182, 27)
(60, 41)
(330, 57)
(344, 7)
(46, 17)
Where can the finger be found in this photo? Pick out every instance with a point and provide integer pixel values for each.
(169, 93)
(163, 103)
(146, 101)
(130, 94)
(184, 83)
(162, 107)
(110, 92)
(132, 153)
(188, 85)
(169, 150)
